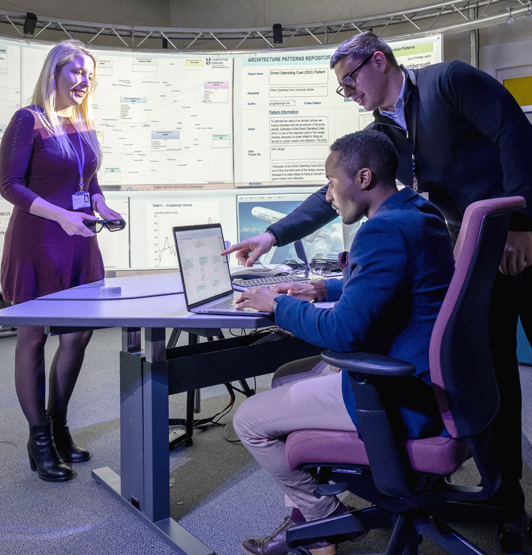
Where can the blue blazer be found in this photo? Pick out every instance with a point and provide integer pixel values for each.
(400, 265)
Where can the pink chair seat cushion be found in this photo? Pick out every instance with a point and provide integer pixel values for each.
(433, 455)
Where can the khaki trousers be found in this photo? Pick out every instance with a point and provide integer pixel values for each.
(263, 421)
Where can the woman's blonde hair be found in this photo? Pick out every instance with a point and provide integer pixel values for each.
(44, 99)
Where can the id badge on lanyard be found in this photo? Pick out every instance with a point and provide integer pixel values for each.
(81, 199)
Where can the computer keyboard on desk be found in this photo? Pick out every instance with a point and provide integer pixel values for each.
(254, 282)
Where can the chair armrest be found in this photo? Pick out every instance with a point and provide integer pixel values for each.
(366, 372)
(368, 363)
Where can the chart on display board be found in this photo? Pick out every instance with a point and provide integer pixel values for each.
(154, 214)
(163, 216)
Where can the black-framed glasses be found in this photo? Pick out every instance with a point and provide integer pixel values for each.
(112, 225)
(349, 80)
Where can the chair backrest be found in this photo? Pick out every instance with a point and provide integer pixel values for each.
(461, 366)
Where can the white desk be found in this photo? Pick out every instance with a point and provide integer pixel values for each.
(153, 303)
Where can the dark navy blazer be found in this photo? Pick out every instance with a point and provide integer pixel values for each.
(400, 265)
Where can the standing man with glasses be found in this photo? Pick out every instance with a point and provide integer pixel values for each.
(460, 137)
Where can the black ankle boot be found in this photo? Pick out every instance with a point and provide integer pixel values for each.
(67, 449)
(44, 457)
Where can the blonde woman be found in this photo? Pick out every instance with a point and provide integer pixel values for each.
(49, 156)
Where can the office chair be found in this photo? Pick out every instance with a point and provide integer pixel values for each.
(406, 480)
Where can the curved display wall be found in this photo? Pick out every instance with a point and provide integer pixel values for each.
(191, 138)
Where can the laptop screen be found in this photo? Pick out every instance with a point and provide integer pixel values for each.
(205, 273)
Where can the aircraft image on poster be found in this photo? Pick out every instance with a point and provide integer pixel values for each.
(256, 214)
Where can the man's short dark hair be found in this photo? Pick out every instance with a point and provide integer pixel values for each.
(363, 45)
(368, 149)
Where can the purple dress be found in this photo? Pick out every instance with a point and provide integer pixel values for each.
(39, 257)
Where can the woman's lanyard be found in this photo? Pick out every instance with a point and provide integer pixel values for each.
(81, 199)
(81, 162)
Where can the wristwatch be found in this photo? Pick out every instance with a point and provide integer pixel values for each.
(275, 303)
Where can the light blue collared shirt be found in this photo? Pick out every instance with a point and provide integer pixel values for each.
(398, 113)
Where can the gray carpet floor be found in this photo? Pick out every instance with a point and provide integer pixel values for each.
(217, 490)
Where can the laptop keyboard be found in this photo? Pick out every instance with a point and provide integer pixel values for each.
(230, 304)
(225, 303)
(268, 280)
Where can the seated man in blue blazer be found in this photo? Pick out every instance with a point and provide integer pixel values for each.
(399, 268)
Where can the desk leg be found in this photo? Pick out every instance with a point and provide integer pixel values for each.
(155, 410)
(145, 483)
(131, 434)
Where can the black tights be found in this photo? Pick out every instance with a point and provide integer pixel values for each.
(30, 378)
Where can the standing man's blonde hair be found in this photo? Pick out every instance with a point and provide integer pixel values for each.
(44, 99)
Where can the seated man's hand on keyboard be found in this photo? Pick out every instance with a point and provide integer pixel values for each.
(260, 298)
(305, 291)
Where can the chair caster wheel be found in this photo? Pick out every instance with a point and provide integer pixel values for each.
(188, 442)
(510, 539)
(300, 551)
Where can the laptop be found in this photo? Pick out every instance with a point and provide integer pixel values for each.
(206, 277)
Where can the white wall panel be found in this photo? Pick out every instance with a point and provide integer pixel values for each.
(495, 57)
